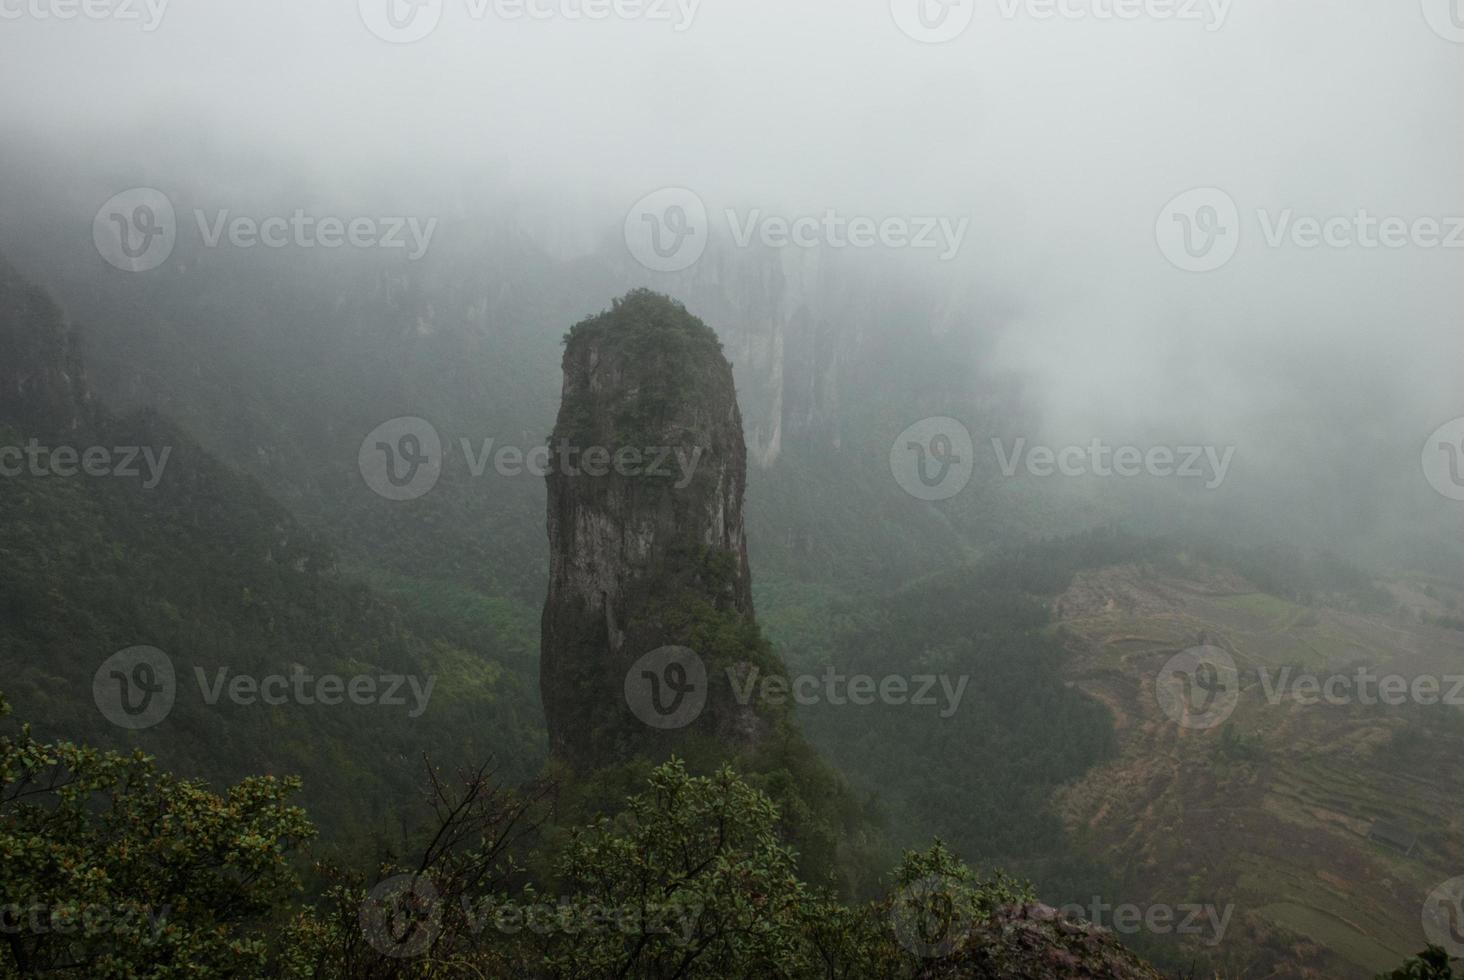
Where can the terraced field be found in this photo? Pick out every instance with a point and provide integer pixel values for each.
(1270, 811)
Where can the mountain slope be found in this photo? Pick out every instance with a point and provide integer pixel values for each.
(166, 547)
(1288, 809)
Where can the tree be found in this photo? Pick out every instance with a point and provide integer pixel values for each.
(116, 870)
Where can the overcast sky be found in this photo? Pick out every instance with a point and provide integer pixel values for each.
(1060, 138)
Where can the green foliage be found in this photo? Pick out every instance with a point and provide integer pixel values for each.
(676, 358)
(977, 766)
(208, 569)
(113, 869)
(693, 878)
(704, 851)
(1431, 964)
(1239, 747)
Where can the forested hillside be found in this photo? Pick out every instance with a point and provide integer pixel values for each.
(192, 558)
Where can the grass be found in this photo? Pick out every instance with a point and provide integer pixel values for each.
(1270, 611)
(1336, 935)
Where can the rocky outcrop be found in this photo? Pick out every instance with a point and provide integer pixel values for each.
(1035, 942)
(647, 543)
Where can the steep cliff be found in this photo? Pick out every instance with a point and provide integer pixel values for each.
(647, 544)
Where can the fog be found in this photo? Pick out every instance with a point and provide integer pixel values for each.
(1058, 140)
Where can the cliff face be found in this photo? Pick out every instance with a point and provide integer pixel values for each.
(647, 544)
(42, 384)
(793, 326)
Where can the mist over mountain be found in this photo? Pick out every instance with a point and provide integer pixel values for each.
(1027, 541)
(1326, 401)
